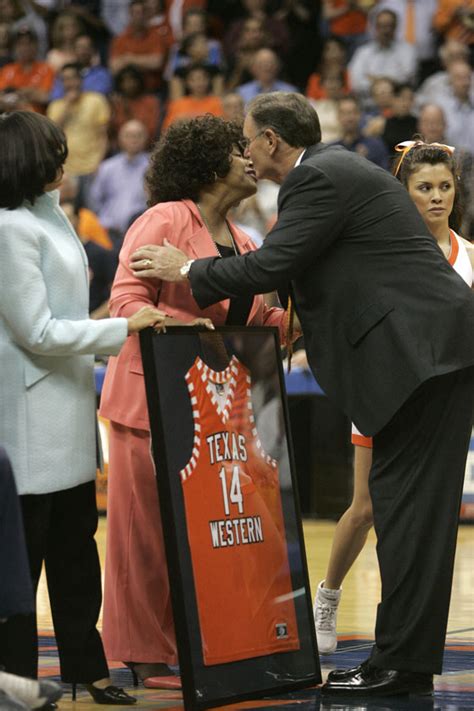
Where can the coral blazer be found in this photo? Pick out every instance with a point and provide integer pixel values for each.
(123, 397)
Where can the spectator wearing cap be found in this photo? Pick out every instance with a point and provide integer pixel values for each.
(95, 77)
(384, 56)
(26, 82)
(265, 70)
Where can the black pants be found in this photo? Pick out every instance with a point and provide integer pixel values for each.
(60, 530)
(416, 487)
(16, 591)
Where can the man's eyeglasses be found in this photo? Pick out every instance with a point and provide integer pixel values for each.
(247, 142)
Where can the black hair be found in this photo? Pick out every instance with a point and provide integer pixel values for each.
(129, 70)
(33, 150)
(73, 65)
(425, 153)
(290, 115)
(192, 153)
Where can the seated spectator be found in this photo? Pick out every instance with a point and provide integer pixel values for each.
(384, 56)
(129, 101)
(18, 16)
(66, 27)
(372, 148)
(194, 21)
(199, 99)
(436, 86)
(277, 30)
(102, 265)
(118, 191)
(454, 19)
(414, 26)
(139, 45)
(333, 60)
(26, 82)
(194, 50)
(233, 107)
(84, 117)
(95, 77)
(6, 56)
(403, 122)
(87, 223)
(177, 12)
(347, 21)
(155, 16)
(432, 124)
(458, 105)
(380, 106)
(265, 70)
(328, 108)
(252, 38)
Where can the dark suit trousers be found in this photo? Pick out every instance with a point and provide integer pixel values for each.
(416, 487)
(16, 591)
(60, 530)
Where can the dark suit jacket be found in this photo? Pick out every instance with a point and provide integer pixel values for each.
(381, 309)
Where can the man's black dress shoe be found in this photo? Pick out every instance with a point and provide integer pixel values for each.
(338, 674)
(368, 680)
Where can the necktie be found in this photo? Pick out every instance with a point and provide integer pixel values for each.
(410, 22)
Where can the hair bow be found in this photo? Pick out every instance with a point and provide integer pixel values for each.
(405, 146)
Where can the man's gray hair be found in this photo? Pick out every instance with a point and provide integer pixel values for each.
(290, 115)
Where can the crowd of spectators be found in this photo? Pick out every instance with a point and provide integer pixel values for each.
(116, 73)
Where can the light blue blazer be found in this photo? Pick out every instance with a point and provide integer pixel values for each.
(47, 342)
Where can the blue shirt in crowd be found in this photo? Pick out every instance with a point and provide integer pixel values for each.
(95, 78)
(118, 192)
(372, 148)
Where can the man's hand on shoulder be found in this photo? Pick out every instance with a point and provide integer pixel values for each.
(154, 262)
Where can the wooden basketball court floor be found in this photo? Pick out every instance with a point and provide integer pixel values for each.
(453, 690)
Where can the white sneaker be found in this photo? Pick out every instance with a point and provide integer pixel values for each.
(30, 692)
(325, 616)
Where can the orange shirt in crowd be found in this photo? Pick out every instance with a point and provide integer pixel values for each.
(38, 76)
(315, 89)
(448, 23)
(352, 22)
(152, 42)
(144, 108)
(89, 227)
(189, 106)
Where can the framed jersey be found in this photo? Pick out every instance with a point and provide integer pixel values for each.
(231, 523)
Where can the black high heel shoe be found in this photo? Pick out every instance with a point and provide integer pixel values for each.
(168, 680)
(112, 695)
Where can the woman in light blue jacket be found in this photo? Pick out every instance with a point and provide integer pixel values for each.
(47, 400)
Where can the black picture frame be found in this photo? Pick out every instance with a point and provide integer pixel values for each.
(254, 353)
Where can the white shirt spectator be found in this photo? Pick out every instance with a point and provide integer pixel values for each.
(397, 62)
(425, 39)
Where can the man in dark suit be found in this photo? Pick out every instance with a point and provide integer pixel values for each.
(388, 329)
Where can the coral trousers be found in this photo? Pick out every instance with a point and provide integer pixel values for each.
(137, 617)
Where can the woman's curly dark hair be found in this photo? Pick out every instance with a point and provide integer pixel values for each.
(191, 154)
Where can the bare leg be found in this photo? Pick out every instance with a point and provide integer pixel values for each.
(354, 525)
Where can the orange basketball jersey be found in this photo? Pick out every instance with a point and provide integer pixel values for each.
(235, 524)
